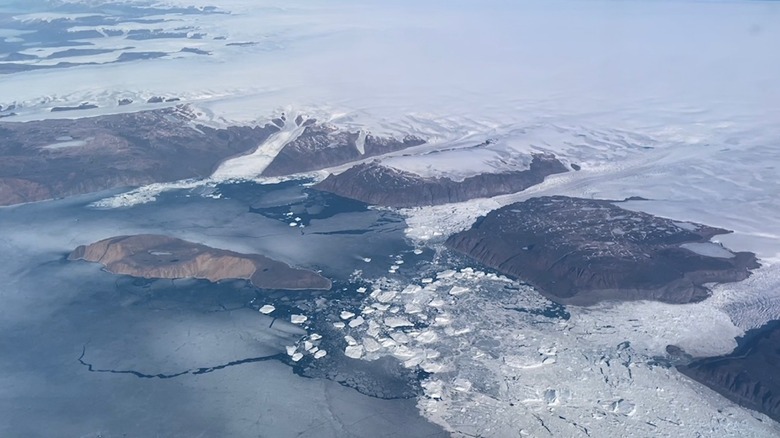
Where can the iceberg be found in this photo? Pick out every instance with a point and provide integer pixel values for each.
(298, 319)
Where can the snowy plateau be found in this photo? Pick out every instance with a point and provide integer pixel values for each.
(676, 102)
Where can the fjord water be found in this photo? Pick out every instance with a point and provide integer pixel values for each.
(88, 353)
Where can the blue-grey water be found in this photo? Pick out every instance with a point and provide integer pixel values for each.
(87, 353)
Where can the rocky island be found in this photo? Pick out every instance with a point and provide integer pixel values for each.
(55, 158)
(156, 256)
(750, 375)
(581, 251)
(374, 183)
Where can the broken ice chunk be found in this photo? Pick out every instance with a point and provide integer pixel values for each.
(290, 349)
(339, 325)
(361, 290)
(354, 351)
(445, 274)
(267, 309)
(315, 337)
(293, 224)
(385, 297)
(427, 337)
(307, 345)
(397, 321)
(388, 343)
(320, 353)
(298, 319)
(462, 385)
(350, 340)
(373, 328)
(417, 251)
(346, 314)
(427, 280)
(411, 289)
(356, 322)
(371, 345)
(433, 388)
(436, 302)
(297, 356)
(412, 308)
(443, 319)
(399, 337)
(431, 367)
(458, 290)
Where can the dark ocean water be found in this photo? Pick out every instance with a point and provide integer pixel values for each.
(86, 353)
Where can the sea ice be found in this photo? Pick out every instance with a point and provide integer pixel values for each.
(397, 321)
(458, 290)
(354, 351)
(298, 319)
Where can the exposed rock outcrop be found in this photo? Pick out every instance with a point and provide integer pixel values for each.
(580, 251)
(750, 375)
(376, 184)
(47, 159)
(155, 256)
(321, 146)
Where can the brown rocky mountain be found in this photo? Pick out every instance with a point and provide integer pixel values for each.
(581, 251)
(374, 183)
(155, 256)
(56, 158)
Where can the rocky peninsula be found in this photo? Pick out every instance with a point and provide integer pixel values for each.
(581, 251)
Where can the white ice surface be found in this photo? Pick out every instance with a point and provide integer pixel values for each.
(500, 368)
(708, 249)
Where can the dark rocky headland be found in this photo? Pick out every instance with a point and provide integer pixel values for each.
(581, 251)
(750, 375)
